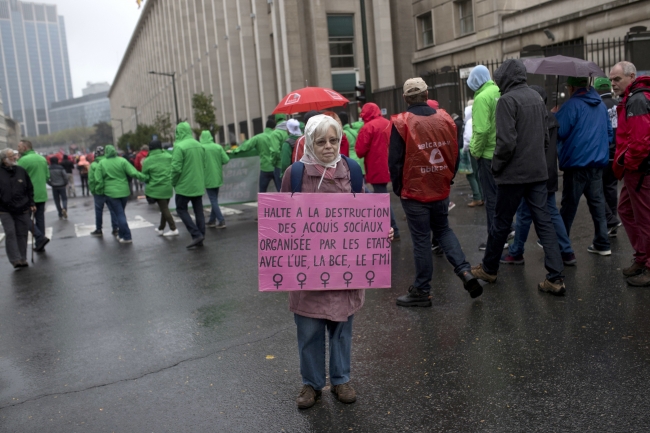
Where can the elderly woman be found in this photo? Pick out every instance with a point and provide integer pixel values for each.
(325, 171)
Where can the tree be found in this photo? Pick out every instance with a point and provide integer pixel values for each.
(79, 136)
(204, 114)
(163, 125)
(103, 135)
(135, 140)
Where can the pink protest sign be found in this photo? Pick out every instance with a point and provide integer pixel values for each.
(323, 241)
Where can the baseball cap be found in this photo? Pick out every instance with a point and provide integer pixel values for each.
(602, 83)
(413, 86)
(577, 81)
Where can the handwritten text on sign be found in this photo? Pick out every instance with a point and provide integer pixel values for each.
(323, 241)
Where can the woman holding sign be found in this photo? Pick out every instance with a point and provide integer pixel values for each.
(324, 170)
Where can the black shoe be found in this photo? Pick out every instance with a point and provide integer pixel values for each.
(436, 248)
(611, 231)
(471, 284)
(96, 233)
(40, 248)
(414, 298)
(115, 232)
(198, 242)
(483, 246)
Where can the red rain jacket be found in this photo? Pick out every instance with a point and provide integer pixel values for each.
(633, 133)
(372, 144)
(138, 159)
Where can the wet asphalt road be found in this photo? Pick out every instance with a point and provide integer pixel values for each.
(151, 337)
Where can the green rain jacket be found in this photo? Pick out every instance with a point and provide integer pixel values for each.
(351, 132)
(157, 166)
(188, 163)
(287, 151)
(484, 126)
(267, 146)
(92, 172)
(216, 157)
(279, 136)
(39, 173)
(111, 175)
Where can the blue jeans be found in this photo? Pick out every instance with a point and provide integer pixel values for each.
(311, 349)
(267, 176)
(587, 181)
(215, 215)
(60, 199)
(100, 200)
(423, 218)
(380, 188)
(117, 206)
(524, 220)
(196, 230)
(473, 179)
(39, 225)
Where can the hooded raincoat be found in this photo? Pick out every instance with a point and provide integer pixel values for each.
(188, 163)
(113, 173)
(157, 166)
(633, 132)
(92, 172)
(372, 144)
(484, 132)
(267, 146)
(216, 157)
(39, 173)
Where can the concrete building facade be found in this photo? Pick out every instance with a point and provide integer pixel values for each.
(3, 126)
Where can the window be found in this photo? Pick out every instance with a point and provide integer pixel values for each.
(466, 17)
(344, 84)
(340, 29)
(425, 29)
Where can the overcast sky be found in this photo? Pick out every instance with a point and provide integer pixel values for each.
(98, 32)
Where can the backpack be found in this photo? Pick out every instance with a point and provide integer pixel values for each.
(356, 175)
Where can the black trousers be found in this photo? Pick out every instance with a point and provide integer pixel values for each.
(610, 189)
(508, 200)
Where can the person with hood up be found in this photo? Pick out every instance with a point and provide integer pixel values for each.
(39, 173)
(216, 158)
(268, 148)
(299, 148)
(157, 167)
(293, 126)
(632, 165)
(421, 177)
(372, 146)
(515, 254)
(188, 179)
(112, 179)
(522, 140)
(351, 133)
(16, 202)
(82, 167)
(99, 198)
(484, 136)
(472, 178)
(583, 148)
(58, 181)
(140, 156)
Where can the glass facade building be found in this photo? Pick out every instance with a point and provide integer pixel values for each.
(34, 66)
(84, 111)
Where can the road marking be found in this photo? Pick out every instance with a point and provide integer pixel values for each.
(2, 236)
(251, 204)
(137, 222)
(224, 211)
(50, 208)
(48, 234)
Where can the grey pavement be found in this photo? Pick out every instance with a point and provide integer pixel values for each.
(150, 337)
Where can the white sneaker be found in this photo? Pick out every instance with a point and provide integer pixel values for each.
(171, 233)
(160, 232)
(126, 241)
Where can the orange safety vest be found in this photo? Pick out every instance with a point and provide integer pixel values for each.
(431, 155)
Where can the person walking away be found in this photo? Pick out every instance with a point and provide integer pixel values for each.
(188, 179)
(82, 167)
(293, 126)
(583, 148)
(68, 166)
(269, 151)
(351, 135)
(610, 184)
(137, 162)
(421, 177)
(157, 167)
(58, 181)
(112, 179)
(632, 165)
(99, 199)
(323, 313)
(524, 219)
(16, 203)
(522, 139)
(216, 157)
(372, 146)
(39, 173)
(472, 178)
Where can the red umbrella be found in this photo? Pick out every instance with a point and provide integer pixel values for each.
(309, 98)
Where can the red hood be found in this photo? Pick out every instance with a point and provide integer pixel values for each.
(433, 104)
(370, 111)
(642, 81)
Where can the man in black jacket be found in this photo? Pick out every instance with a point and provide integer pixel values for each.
(58, 181)
(522, 140)
(16, 202)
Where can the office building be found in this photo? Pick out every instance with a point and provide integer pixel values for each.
(84, 111)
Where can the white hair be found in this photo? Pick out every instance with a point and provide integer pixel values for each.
(627, 67)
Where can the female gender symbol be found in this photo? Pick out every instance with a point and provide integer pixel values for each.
(370, 275)
(323, 279)
(347, 277)
(278, 282)
(301, 281)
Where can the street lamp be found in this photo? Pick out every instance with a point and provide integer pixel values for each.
(121, 124)
(173, 75)
(135, 109)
